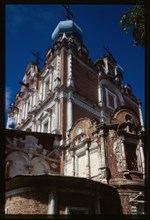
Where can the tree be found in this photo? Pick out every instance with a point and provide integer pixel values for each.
(134, 20)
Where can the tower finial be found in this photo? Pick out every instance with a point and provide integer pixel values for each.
(69, 15)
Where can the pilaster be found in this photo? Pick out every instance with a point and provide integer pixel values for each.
(69, 112)
(52, 203)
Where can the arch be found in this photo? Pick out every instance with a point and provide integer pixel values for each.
(121, 114)
(39, 166)
(16, 164)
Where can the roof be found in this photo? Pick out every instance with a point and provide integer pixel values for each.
(67, 26)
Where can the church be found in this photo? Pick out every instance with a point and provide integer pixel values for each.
(75, 135)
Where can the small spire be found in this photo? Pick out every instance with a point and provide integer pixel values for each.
(69, 15)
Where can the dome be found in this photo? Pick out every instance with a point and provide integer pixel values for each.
(67, 26)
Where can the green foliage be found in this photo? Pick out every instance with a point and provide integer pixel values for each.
(134, 20)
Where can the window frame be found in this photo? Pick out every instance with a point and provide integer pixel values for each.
(108, 92)
(45, 121)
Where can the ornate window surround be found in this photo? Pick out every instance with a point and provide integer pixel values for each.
(108, 92)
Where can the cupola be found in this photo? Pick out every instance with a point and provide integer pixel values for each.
(67, 27)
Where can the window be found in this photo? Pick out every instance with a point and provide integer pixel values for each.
(128, 118)
(45, 127)
(111, 99)
(76, 210)
(131, 156)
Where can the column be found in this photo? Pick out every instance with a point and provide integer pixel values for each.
(87, 162)
(30, 101)
(34, 99)
(44, 90)
(52, 203)
(39, 126)
(103, 158)
(50, 80)
(26, 109)
(33, 124)
(49, 123)
(141, 117)
(58, 65)
(57, 114)
(41, 91)
(73, 163)
(106, 65)
(69, 67)
(124, 162)
(69, 113)
(76, 165)
(142, 157)
(22, 116)
(100, 94)
(49, 119)
(100, 103)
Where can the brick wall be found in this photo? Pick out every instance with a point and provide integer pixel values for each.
(112, 162)
(85, 82)
(27, 203)
(64, 67)
(79, 112)
(126, 208)
(130, 104)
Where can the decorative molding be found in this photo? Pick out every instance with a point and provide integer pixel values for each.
(108, 84)
(86, 106)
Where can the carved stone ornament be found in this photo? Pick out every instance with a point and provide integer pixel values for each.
(29, 145)
(117, 152)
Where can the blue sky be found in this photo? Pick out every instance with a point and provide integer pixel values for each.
(29, 27)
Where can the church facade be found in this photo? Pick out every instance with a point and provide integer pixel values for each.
(75, 135)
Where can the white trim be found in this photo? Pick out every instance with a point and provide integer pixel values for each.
(108, 84)
(100, 95)
(69, 69)
(58, 60)
(81, 62)
(105, 60)
(141, 117)
(69, 114)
